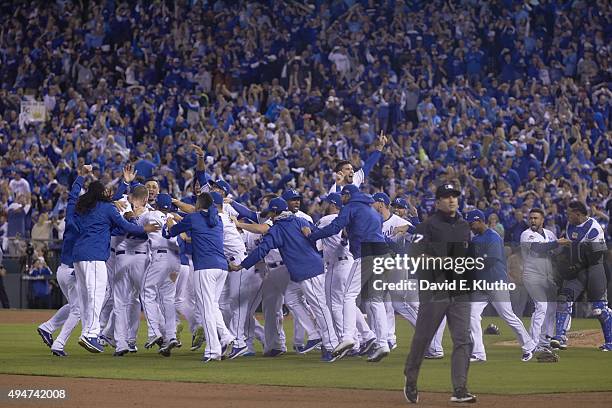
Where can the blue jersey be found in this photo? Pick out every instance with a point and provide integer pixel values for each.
(95, 227)
(301, 257)
(206, 231)
(490, 246)
(71, 233)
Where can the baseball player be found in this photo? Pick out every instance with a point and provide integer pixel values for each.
(490, 246)
(588, 248)
(66, 278)
(364, 227)
(304, 265)
(95, 216)
(345, 174)
(274, 287)
(210, 267)
(158, 287)
(537, 243)
(397, 228)
(339, 261)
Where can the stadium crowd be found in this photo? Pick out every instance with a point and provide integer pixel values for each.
(508, 99)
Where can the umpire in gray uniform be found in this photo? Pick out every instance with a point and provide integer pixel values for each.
(445, 234)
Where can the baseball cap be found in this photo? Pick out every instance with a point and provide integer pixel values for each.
(447, 190)
(335, 199)
(217, 198)
(400, 202)
(475, 215)
(291, 195)
(223, 185)
(277, 204)
(350, 189)
(505, 194)
(382, 198)
(164, 201)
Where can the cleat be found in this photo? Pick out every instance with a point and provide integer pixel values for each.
(59, 353)
(527, 356)
(474, 359)
(120, 353)
(197, 339)
(410, 392)
(46, 337)
(462, 396)
(559, 342)
(328, 357)
(167, 348)
(237, 352)
(365, 348)
(91, 344)
(310, 345)
(343, 348)
(132, 347)
(157, 340)
(210, 359)
(274, 353)
(227, 349)
(392, 344)
(605, 347)
(438, 355)
(107, 341)
(378, 354)
(352, 353)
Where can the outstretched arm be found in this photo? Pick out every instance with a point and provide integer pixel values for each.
(333, 228)
(267, 244)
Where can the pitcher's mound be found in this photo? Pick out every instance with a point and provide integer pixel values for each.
(580, 338)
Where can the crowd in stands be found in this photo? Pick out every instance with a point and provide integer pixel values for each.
(510, 99)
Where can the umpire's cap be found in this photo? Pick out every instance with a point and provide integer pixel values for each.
(447, 190)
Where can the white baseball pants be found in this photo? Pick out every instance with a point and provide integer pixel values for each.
(91, 280)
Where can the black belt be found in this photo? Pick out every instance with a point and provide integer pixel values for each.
(135, 252)
(113, 250)
(233, 258)
(343, 258)
(275, 264)
(162, 251)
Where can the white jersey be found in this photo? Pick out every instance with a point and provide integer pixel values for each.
(156, 239)
(229, 210)
(334, 247)
(131, 242)
(358, 178)
(536, 263)
(302, 214)
(389, 226)
(233, 244)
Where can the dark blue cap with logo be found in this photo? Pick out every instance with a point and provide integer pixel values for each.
(217, 198)
(350, 189)
(382, 198)
(335, 199)
(475, 215)
(164, 202)
(223, 185)
(277, 205)
(291, 195)
(400, 202)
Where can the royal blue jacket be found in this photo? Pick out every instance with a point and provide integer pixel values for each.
(299, 255)
(95, 228)
(362, 222)
(71, 233)
(206, 229)
(490, 246)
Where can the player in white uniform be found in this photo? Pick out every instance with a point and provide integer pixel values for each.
(338, 261)
(536, 245)
(405, 304)
(132, 257)
(587, 251)
(159, 289)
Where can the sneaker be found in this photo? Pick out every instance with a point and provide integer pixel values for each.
(132, 348)
(237, 352)
(91, 344)
(366, 347)
(392, 344)
(377, 354)
(438, 355)
(274, 353)
(106, 341)
(197, 339)
(559, 342)
(59, 353)
(343, 347)
(210, 359)
(606, 347)
(474, 359)
(527, 356)
(227, 349)
(166, 349)
(410, 392)
(157, 340)
(462, 396)
(120, 353)
(46, 337)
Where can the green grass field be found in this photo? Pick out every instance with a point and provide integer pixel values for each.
(580, 369)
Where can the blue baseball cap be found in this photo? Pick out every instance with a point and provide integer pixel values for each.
(475, 215)
(217, 198)
(291, 195)
(223, 185)
(277, 205)
(350, 189)
(400, 203)
(164, 201)
(382, 198)
(335, 199)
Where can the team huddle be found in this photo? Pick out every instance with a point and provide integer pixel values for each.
(214, 262)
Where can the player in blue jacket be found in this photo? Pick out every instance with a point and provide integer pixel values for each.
(304, 264)
(95, 216)
(210, 265)
(364, 229)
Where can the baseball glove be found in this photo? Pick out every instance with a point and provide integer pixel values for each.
(492, 329)
(546, 356)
